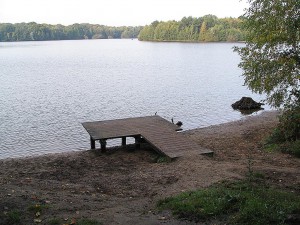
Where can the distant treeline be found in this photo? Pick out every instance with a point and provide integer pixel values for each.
(43, 32)
(208, 28)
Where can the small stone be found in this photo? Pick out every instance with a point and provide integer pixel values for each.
(162, 218)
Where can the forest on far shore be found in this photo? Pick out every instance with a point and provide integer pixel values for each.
(45, 32)
(208, 28)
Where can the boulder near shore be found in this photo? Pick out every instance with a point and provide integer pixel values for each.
(246, 103)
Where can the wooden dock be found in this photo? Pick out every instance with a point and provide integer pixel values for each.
(156, 131)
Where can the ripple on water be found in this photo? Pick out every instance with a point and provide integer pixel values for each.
(49, 88)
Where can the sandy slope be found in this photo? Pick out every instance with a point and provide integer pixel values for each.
(123, 186)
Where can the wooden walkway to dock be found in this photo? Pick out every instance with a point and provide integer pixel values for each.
(156, 131)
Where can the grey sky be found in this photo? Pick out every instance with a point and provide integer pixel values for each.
(114, 12)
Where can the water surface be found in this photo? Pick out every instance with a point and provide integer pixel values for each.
(48, 88)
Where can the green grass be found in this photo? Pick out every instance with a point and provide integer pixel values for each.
(54, 221)
(292, 148)
(12, 218)
(88, 222)
(234, 203)
(163, 159)
(286, 136)
(37, 208)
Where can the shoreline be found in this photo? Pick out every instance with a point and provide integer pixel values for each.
(263, 114)
(195, 42)
(123, 186)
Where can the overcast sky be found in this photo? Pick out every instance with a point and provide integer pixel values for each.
(114, 12)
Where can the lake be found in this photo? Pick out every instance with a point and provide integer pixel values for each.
(48, 88)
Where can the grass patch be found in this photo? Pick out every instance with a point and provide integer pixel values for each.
(37, 208)
(54, 221)
(234, 203)
(13, 217)
(292, 148)
(163, 159)
(88, 222)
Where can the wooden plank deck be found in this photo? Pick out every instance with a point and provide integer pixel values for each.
(158, 132)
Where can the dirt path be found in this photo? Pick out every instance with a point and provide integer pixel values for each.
(123, 186)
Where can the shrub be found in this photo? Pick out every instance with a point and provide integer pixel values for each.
(289, 124)
(240, 203)
(286, 136)
(291, 148)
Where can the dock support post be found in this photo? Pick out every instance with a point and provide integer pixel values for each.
(123, 141)
(103, 145)
(137, 142)
(92, 143)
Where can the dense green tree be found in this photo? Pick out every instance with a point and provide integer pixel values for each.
(131, 32)
(234, 35)
(186, 22)
(271, 57)
(210, 20)
(147, 33)
(271, 64)
(206, 28)
(6, 31)
(188, 29)
(161, 32)
(203, 31)
(41, 32)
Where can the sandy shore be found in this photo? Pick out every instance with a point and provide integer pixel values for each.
(123, 186)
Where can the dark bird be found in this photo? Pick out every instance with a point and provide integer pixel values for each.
(179, 123)
(155, 113)
(172, 120)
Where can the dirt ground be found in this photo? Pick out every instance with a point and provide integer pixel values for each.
(122, 186)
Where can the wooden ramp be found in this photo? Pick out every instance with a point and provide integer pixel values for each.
(158, 132)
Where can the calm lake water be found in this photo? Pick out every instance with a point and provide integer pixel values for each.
(48, 88)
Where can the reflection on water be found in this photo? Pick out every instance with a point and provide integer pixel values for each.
(250, 111)
(48, 88)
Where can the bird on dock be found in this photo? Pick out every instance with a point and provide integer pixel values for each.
(155, 113)
(179, 123)
(172, 120)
